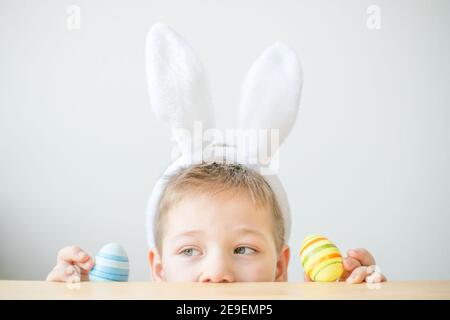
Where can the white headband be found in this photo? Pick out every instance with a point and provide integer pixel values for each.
(179, 96)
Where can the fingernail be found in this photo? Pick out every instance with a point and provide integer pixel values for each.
(374, 278)
(74, 279)
(370, 279)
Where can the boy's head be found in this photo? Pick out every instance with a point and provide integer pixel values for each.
(219, 222)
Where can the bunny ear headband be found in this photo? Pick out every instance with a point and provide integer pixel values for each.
(179, 96)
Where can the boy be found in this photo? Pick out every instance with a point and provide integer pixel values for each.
(217, 222)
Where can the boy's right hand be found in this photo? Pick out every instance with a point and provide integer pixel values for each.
(72, 265)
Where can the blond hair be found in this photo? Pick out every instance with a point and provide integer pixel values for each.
(213, 178)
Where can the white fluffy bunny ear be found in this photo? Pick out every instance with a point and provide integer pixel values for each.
(271, 94)
(178, 88)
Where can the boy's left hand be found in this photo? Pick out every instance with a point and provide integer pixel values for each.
(359, 266)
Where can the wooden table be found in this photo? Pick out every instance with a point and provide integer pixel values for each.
(263, 290)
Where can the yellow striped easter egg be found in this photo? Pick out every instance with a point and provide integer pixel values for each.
(321, 259)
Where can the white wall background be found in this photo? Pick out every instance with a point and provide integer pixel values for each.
(367, 163)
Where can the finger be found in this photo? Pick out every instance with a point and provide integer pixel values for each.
(350, 264)
(84, 273)
(73, 274)
(362, 255)
(375, 277)
(73, 279)
(75, 255)
(86, 266)
(72, 254)
(64, 272)
(76, 269)
(358, 275)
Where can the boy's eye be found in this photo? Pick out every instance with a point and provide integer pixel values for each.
(190, 252)
(244, 250)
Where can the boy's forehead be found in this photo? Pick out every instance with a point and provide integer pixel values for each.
(238, 213)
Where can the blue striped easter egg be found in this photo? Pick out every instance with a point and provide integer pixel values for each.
(111, 264)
